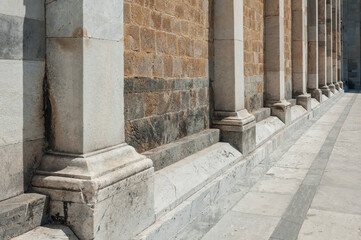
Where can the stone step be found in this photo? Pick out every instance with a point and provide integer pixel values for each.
(21, 214)
(297, 111)
(168, 154)
(314, 103)
(175, 183)
(48, 232)
(262, 114)
(267, 128)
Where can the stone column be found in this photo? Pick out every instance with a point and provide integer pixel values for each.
(236, 124)
(275, 60)
(329, 46)
(299, 53)
(322, 48)
(98, 185)
(313, 58)
(339, 35)
(334, 45)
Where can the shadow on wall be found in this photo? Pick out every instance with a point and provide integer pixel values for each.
(211, 60)
(33, 53)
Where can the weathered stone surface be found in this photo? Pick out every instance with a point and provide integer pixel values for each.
(267, 128)
(170, 153)
(33, 9)
(22, 38)
(48, 232)
(262, 114)
(21, 214)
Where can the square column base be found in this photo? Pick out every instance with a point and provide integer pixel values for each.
(337, 86)
(107, 194)
(340, 83)
(317, 94)
(282, 110)
(326, 91)
(237, 128)
(304, 101)
(332, 87)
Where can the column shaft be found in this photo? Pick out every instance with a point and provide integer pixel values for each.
(313, 57)
(236, 124)
(329, 46)
(275, 60)
(322, 47)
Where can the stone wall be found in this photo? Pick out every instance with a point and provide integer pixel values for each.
(253, 20)
(22, 67)
(166, 70)
(288, 48)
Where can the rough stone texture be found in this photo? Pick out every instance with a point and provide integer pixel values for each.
(166, 42)
(159, 111)
(253, 27)
(21, 214)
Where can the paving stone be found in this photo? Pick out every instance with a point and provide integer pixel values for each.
(48, 232)
(276, 185)
(325, 225)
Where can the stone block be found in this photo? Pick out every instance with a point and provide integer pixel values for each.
(21, 214)
(82, 73)
(90, 18)
(11, 100)
(239, 130)
(317, 94)
(262, 114)
(168, 154)
(11, 171)
(33, 9)
(282, 110)
(22, 38)
(304, 101)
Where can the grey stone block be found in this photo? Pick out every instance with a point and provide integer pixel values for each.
(262, 114)
(170, 153)
(22, 38)
(56, 232)
(21, 214)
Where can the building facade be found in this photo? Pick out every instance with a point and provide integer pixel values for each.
(116, 116)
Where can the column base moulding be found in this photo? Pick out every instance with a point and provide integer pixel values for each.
(106, 194)
(237, 128)
(340, 83)
(281, 109)
(305, 101)
(337, 86)
(317, 94)
(326, 91)
(332, 87)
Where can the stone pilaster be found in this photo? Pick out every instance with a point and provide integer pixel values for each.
(339, 42)
(299, 53)
(98, 185)
(322, 48)
(329, 46)
(275, 61)
(334, 44)
(313, 58)
(236, 124)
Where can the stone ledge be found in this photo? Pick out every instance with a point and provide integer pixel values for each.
(168, 154)
(21, 214)
(48, 232)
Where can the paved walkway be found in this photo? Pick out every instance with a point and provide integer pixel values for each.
(312, 192)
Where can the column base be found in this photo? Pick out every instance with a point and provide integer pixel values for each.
(317, 94)
(326, 91)
(332, 87)
(304, 101)
(106, 194)
(340, 83)
(282, 110)
(237, 128)
(337, 86)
